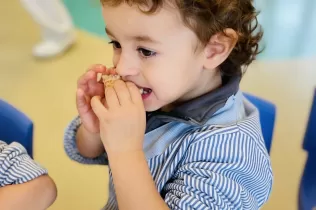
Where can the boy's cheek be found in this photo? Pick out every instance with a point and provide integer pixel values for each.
(115, 60)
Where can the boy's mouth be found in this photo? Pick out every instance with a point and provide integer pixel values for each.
(109, 80)
(144, 91)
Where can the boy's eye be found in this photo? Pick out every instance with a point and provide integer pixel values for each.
(115, 44)
(146, 53)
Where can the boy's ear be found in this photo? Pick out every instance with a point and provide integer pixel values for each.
(219, 47)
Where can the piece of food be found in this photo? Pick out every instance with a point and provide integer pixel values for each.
(109, 80)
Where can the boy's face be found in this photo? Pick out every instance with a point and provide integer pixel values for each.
(156, 52)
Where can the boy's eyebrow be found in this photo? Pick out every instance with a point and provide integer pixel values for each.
(137, 38)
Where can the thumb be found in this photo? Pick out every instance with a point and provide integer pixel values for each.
(98, 108)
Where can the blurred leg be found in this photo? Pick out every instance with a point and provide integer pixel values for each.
(56, 26)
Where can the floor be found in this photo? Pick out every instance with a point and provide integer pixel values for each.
(45, 90)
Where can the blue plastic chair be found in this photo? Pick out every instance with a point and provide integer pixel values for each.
(307, 192)
(15, 126)
(267, 112)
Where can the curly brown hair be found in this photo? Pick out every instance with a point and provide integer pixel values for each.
(209, 17)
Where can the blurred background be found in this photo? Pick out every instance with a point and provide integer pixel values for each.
(44, 89)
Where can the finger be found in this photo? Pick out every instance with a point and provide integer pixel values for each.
(135, 95)
(95, 88)
(85, 78)
(111, 98)
(112, 71)
(99, 68)
(98, 108)
(92, 74)
(81, 100)
(103, 101)
(122, 92)
(88, 83)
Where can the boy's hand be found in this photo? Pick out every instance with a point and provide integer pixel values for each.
(123, 117)
(87, 87)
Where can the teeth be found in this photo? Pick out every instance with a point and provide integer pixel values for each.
(142, 91)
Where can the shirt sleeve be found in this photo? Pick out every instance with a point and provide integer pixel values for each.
(72, 149)
(16, 166)
(221, 172)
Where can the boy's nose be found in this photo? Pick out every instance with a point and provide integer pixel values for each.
(126, 68)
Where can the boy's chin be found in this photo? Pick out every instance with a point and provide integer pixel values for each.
(155, 107)
(151, 107)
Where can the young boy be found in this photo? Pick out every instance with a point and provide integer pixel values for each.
(190, 140)
(23, 183)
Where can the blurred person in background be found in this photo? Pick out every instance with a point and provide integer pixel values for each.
(56, 26)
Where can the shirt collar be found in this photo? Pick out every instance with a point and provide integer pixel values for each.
(199, 110)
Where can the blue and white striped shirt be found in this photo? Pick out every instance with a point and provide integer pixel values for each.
(221, 163)
(16, 166)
